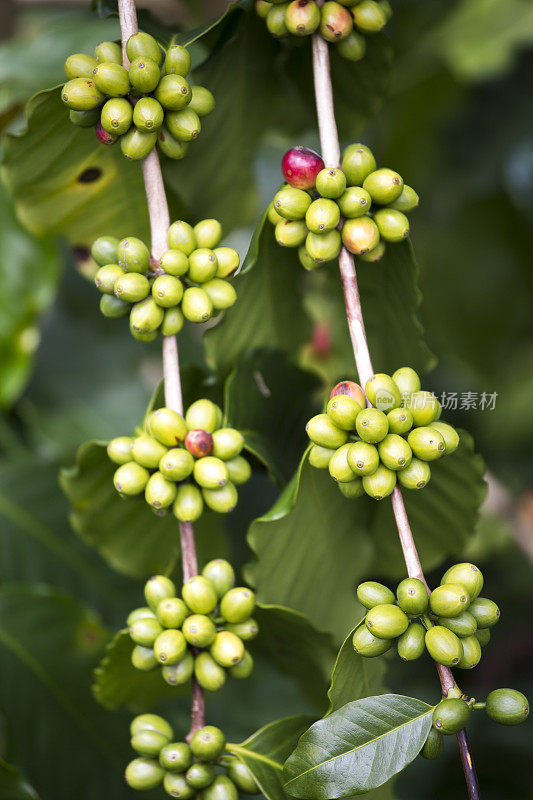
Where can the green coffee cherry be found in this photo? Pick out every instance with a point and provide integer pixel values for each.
(467, 575)
(339, 468)
(363, 458)
(449, 434)
(143, 45)
(449, 600)
(173, 322)
(262, 7)
(111, 79)
(353, 47)
(416, 475)
(133, 255)
(174, 262)
(176, 757)
(184, 125)
(275, 19)
(238, 604)
(451, 715)
(144, 74)
(335, 22)
(406, 201)
(407, 381)
(200, 776)
(148, 743)
(136, 145)
(143, 659)
(222, 500)
(148, 114)
(386, 621)
(369, 16)
(433, 745)
(140, 613)
(177, 60)
(246, 630)
(319, 457)
(167, 291)
(196, 305)
(355, 202)
(383, 185)
(291, 233)
(158, 588)
(273, 215)
(181, 237)
(143, 773)
(200, 595)
(180, 673)
(203, 415)
(322, 215)
(371, 593)
(78, 65)
(323, 246)
(167, 426)
(108, 51)
(443, 646)
(368, 645)
(130, 479)
(227, 649)
(119, 449)
(145, 631)
(227, 443)
(208, 233)
(117, 116)
(507, 706)
(242, 777)
(105, 250)
(352, 489)
(382, 392)
(360, 235)
(374, 255)
(464, 624)
(331, 183)
(412, 596)
(426, 443)
(203, 265)
(202, 101)
(199, 630)
(393, 226)
(112, 307)
(171, 612)
(400, 420)
(81, 94)
(176, 786)
(424, 407)
(471, 652)
(160, 492)
(151, 722)
(357, 162)
(302, 18)
(173, 92)
(177, 464)
(239, 470)
(169, 145)
(147, 451)
(411, 644)
(222, 788)
(131, 287)
(170, 647)
(208, 743)
(306, 261)
(394, 452)
(485, 612)
(322, 431)
(228, 261)
(244, 668)
(210, 472)
(343, 410)
(371, 425)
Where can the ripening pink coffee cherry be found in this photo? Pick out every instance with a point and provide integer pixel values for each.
(103, 136)
(352, 389)
(199, 443)
(300, 166)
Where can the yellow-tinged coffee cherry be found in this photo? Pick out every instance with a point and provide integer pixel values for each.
(203, 415)
(291, 232)
(424, 407)
(467, 575)
(227, 649)
(355, 202)
(158, 588)
(322, 215)
(159, 492)
(167, 291)
(449, 434)
(381, 483)
(372, 593)
(143, 659)
(323, 246)
(208, 233)
(322, 431)
(336, 22)
(79, 65)
(366, 644)
(210, 675)
(371, 425)
(369, 16)
(145, 631)
(357, 162)
(144, 773)
(363, 458)
(170, 646)
(167, 426)
(181, 237)
(416, 475)
(412, 596)
(108, 51)
(173, 322)
(343, 410)
(177, 674)
(221, 293)
(210, 472)
(407, 201)
(386, 621)
(188, 505)
(246, 630)
(407, 381)
(394, 452)
(393, 226)
(400, 420)
(227, 443)
(360, 235)
(382, 392)
(374, 255)
(147, 451)
(443, 646)
(319, 457)
(174, 262)
(203, 265)
(196, 305)
(171, 612)
(228, 261)
(426, 443)
(119, 449)
(177, 464)
(81, 94)
(140, 613)
(238, 604)
(199, 630)
(449, 600)
(222, 500)
(143, 44)
(199, 594)
(221, 574)
(383, 185)
(130, 478)
(339, 468)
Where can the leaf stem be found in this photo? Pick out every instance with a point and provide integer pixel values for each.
(159, 224)
(329, 142)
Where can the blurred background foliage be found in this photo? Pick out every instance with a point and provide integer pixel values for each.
(457, 123)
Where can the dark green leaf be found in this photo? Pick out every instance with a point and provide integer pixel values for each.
(13, 786)
(353, 676)
(358, 747)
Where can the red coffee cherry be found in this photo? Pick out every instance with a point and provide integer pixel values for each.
(300, 166)
(352, 389)
(199, 443)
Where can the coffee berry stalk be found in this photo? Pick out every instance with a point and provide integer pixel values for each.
(182, 463)
(200, 768)
(320, 209)
(388, 434)
(148, 103)
(202, 633)
(344, 24)
(188, 282)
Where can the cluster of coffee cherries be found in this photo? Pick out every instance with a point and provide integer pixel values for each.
(319, 209)
(452, 623)
(451, 715)
(182, 463)
(149, 103)
(344, 23)
(370, 449)
(201, 633)
(189, 281)
(199, 769)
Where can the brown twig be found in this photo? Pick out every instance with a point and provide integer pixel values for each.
(159, 223)
(329, 141)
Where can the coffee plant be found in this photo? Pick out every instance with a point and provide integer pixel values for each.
(337, 586)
